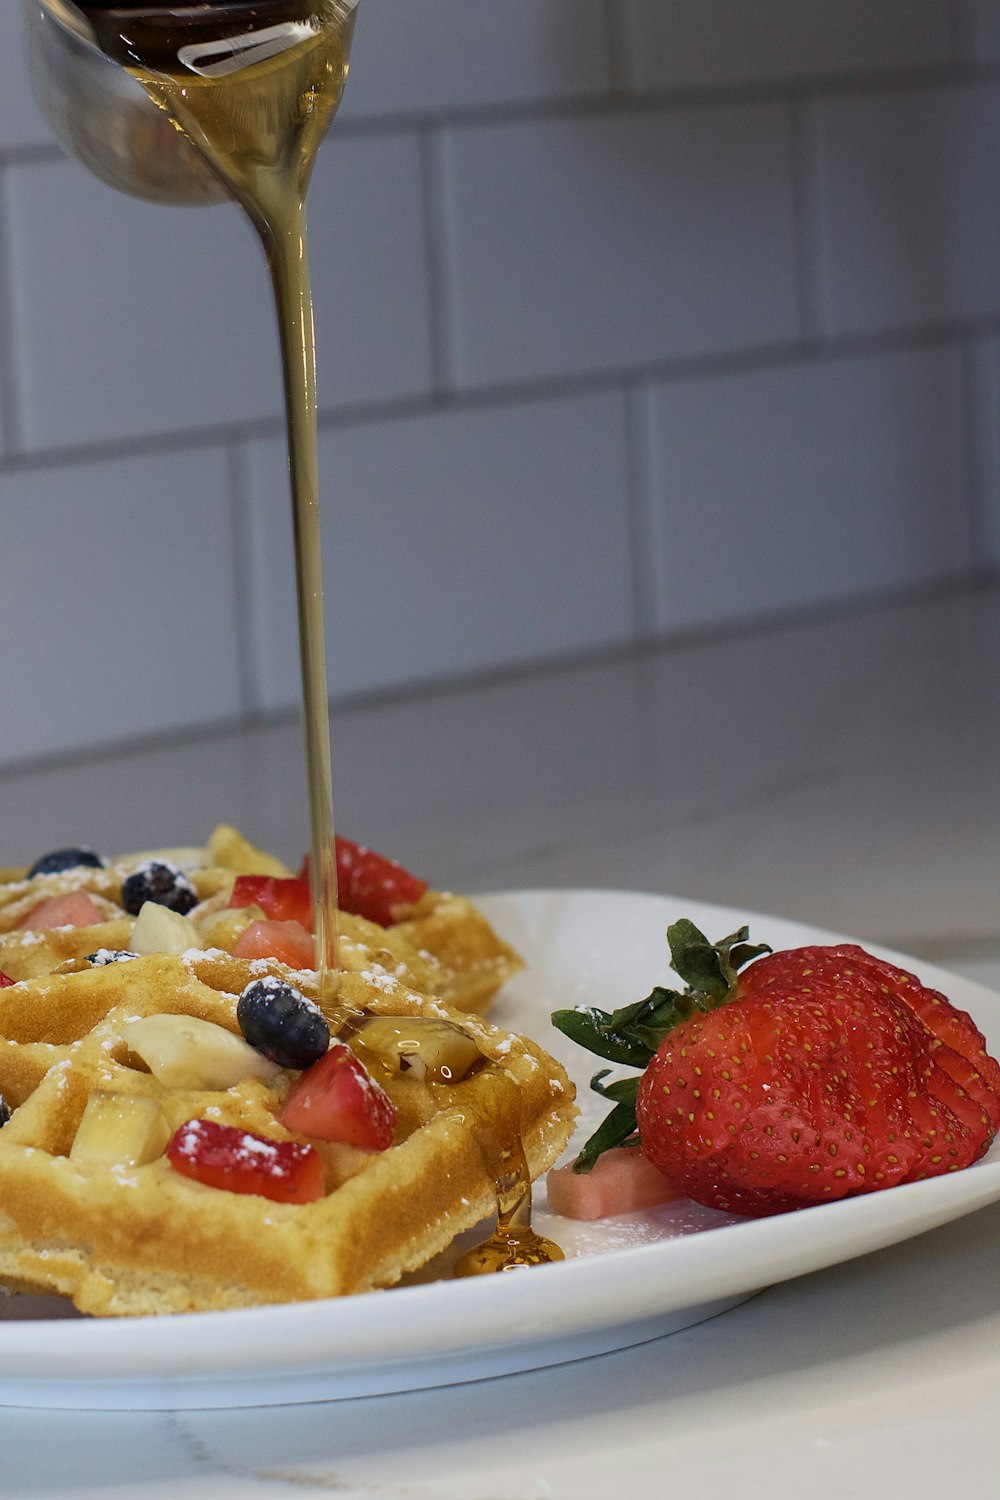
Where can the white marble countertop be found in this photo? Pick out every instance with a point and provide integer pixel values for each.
(842, 772)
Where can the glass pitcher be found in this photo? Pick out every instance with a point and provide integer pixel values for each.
(105, 119)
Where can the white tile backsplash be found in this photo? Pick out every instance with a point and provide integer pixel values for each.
(367, 248)
(142, 319)
(593, 243)
(130, 317)
(452, 543)
(117, 612)
(780, 487)
(911, 203)
(684, 43)
(582, 349)
(455, 54)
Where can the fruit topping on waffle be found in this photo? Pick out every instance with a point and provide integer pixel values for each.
(71, 904)
(189, 1131)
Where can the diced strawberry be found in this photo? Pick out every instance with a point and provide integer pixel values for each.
(74, 909)
(5, 980)
(337, 1099)
(283, 900)
(371, 886)
(222, 1156)
(621, 1181)
(288, 942)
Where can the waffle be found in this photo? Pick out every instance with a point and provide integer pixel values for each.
(144, 1239)
(444, 947)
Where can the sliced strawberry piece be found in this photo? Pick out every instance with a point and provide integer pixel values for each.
(288, 942)
(222, 1156)
(74, 909)
(371, 886)
(337, 1099)
(282, 900)
(620, 1181)
(848, 967)
(954, 1027)
(5, 980)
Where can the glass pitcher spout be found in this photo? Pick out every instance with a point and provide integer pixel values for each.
(105, 119)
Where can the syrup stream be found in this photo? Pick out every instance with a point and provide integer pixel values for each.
(259, 126)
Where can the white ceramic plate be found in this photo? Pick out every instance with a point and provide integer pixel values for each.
(625, 1281)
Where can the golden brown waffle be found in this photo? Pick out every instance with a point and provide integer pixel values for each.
(145, 1239)
(445, 947)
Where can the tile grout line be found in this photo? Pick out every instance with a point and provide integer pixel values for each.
(242, 523)
(822, 349)
(808, 217)
(10, 412)
(958, 73)
(951, 74)
(963, 33)
(981, 382)
(439, 261)
(643, 516)
(621, 69)
(664, 640)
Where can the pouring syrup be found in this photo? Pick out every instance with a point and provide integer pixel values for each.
(254, 87)
(256, 100)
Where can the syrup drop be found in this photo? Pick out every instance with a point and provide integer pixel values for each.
(443, 1054)
(513, 1243)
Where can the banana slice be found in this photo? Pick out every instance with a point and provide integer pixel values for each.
(159, 930)
(120, 1130)
(183, 1052)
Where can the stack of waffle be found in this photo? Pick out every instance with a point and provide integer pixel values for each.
(91, 1206)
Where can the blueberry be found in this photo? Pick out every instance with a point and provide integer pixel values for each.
(109, 956)
(282, 1024)
(65, 859)
(158, 881)
(4, 1111)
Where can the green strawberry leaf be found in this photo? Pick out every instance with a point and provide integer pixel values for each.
(618, 1129)
(744, 952)
(624, 1091)
(695, 959)
(654, 1011)
(595, 1030)
(710, 967)
(633, 1034)
(652, 1019)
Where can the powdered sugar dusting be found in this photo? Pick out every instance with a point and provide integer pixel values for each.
(380, 980)
(274, 986)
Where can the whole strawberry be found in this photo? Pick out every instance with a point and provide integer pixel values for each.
(814, 1074)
